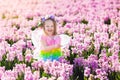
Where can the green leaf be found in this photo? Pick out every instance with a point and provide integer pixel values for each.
(10, 41)
(3, 16)
(46, 75)
(30, 18)
(64, 23)
(33, 28)
(20, 77)
(107, 21)
(84, 21)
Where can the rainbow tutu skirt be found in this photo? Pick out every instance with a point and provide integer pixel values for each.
(53, 54)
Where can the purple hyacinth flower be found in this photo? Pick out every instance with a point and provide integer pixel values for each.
(43, 19)
(52, 17)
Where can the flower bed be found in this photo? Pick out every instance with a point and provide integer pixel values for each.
(94, 50)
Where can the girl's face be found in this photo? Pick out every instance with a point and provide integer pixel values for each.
(49, 27)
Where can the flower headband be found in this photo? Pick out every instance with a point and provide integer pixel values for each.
(43, 19)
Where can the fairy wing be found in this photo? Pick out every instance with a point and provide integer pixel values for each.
(35, 37)
(65, 40)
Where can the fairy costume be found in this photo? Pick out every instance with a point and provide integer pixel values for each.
(53, 54)
(42, 41)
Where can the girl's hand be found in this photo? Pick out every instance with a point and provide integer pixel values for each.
(57, 46)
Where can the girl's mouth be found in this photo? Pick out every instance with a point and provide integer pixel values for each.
(49, 30)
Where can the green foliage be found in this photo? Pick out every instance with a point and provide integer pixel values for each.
(20, 77)
(108, 53)
(46, 75)
(33, 28)
(78, 73)
(119, 55)
(3, 62)
(3, 16)
(30, 18)
(87, 53)
(64, 23)
(10, 41)
(85, 78)
(15, 17)
(114, 75)
(72, 56)
(17, 26)
(107, 21)
(84, 21)
(8, 64)
(39, 24)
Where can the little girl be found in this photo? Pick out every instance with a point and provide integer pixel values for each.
(50, 41)
(46, 41)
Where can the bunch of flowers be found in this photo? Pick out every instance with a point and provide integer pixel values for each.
(94, 50)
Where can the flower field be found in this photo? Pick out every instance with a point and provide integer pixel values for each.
(94, 49)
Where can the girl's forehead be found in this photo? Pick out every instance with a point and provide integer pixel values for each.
(48, 22)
